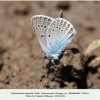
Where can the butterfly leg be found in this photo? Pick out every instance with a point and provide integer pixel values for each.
(41, 68)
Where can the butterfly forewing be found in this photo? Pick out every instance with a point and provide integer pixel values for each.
(40, 25)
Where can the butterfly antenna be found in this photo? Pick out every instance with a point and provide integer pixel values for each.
(61, 14)
(36, 57)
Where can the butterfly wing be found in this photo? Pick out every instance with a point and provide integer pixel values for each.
(59, 35)
(40, 25)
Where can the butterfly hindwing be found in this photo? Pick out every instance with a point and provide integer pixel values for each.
(61, 33)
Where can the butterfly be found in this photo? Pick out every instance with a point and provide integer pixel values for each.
(54, 35)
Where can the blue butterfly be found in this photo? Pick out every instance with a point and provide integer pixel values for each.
(54, 35)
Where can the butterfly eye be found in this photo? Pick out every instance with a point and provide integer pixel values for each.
(56, 27)
(52, 30)
(36, 27)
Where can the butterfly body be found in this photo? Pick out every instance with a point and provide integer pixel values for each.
(54, 35)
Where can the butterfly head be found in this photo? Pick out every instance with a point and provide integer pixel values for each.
(50, 56)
